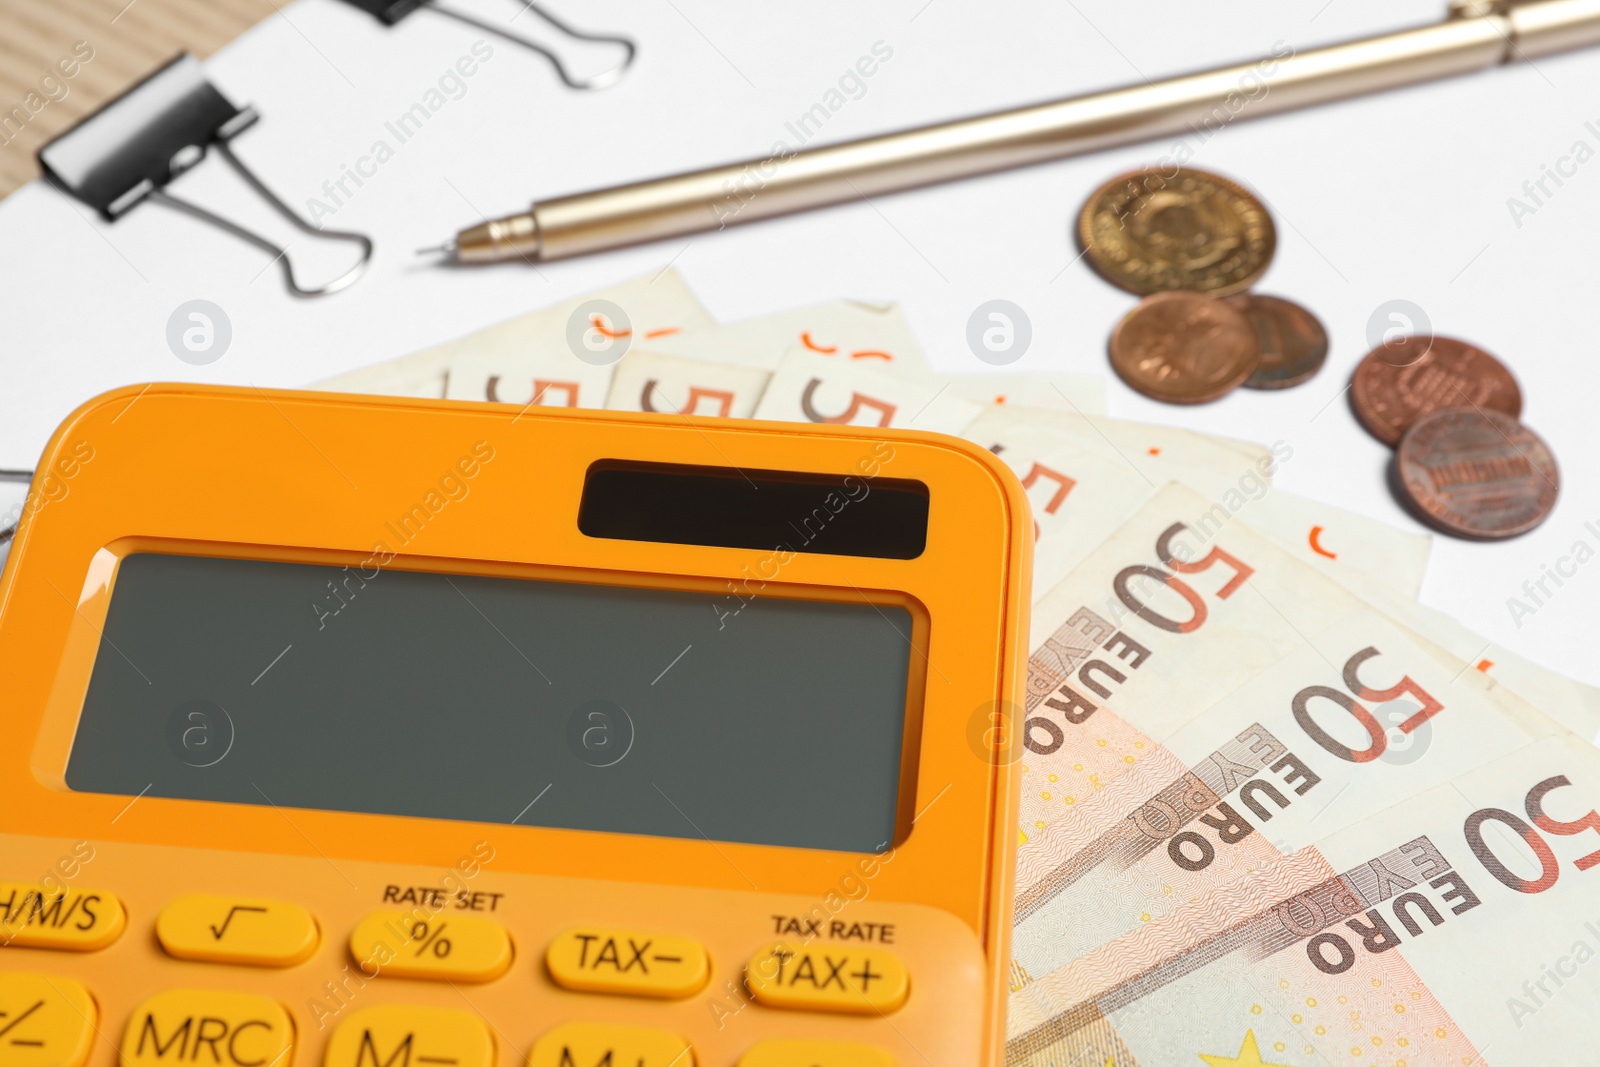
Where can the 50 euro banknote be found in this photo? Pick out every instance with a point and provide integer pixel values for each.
(1357, 719)
(1165, 618)
(1083, 486)
(534, 357)
(1573, 704)
(1460, 926)
(723, 369)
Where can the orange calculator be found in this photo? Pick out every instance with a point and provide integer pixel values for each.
(366, 732)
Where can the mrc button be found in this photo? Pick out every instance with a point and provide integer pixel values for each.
(863, 981)
(605, 960)
(210, 1026)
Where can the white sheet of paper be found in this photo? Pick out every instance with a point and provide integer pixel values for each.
(86, 304)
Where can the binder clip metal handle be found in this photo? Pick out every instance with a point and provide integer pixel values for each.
(278, 253)
(9, 530)
(130, 149)
(390, 12)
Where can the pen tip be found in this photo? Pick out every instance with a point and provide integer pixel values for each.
(446, 249)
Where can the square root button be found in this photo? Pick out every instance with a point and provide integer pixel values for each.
(252, 930)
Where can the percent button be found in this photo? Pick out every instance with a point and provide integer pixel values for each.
(417, 944)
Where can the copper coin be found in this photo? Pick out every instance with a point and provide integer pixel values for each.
(1293, 343)
(1476, 472)
(1162, 230)
(1184, 348)
(1400, 382)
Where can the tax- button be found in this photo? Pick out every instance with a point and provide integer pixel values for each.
(267, 933)
(210, 1026)
(865, 981)
(417, 944)
(402, 1035)
(45, 1021)
(588, 1044)
(35, 916)
(785, 1053)
(594, 959)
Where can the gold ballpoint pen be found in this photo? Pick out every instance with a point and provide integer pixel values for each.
(1477, 34)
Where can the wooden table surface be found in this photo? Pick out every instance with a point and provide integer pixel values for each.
(123, 41)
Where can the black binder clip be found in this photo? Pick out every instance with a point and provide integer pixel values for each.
(9, 528)
(390, 12)
(132, 147)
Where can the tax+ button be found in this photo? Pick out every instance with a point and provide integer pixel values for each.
(865, 981)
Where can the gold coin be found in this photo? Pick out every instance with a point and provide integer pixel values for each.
(1157, 231)
(1184, 348)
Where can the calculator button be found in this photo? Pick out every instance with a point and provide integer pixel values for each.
(865, 981)
(608, 1043)
(34, 916)
(594, 959)
(209, 1026)
(267, 933)
(45, 1021)
(407, 944)
(781, 1053)
(407, 1034)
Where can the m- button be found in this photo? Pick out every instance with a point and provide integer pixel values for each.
(210, 1026)
(410, 1035)
(593, 959)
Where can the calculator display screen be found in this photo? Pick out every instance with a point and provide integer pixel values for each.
(506, 700)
